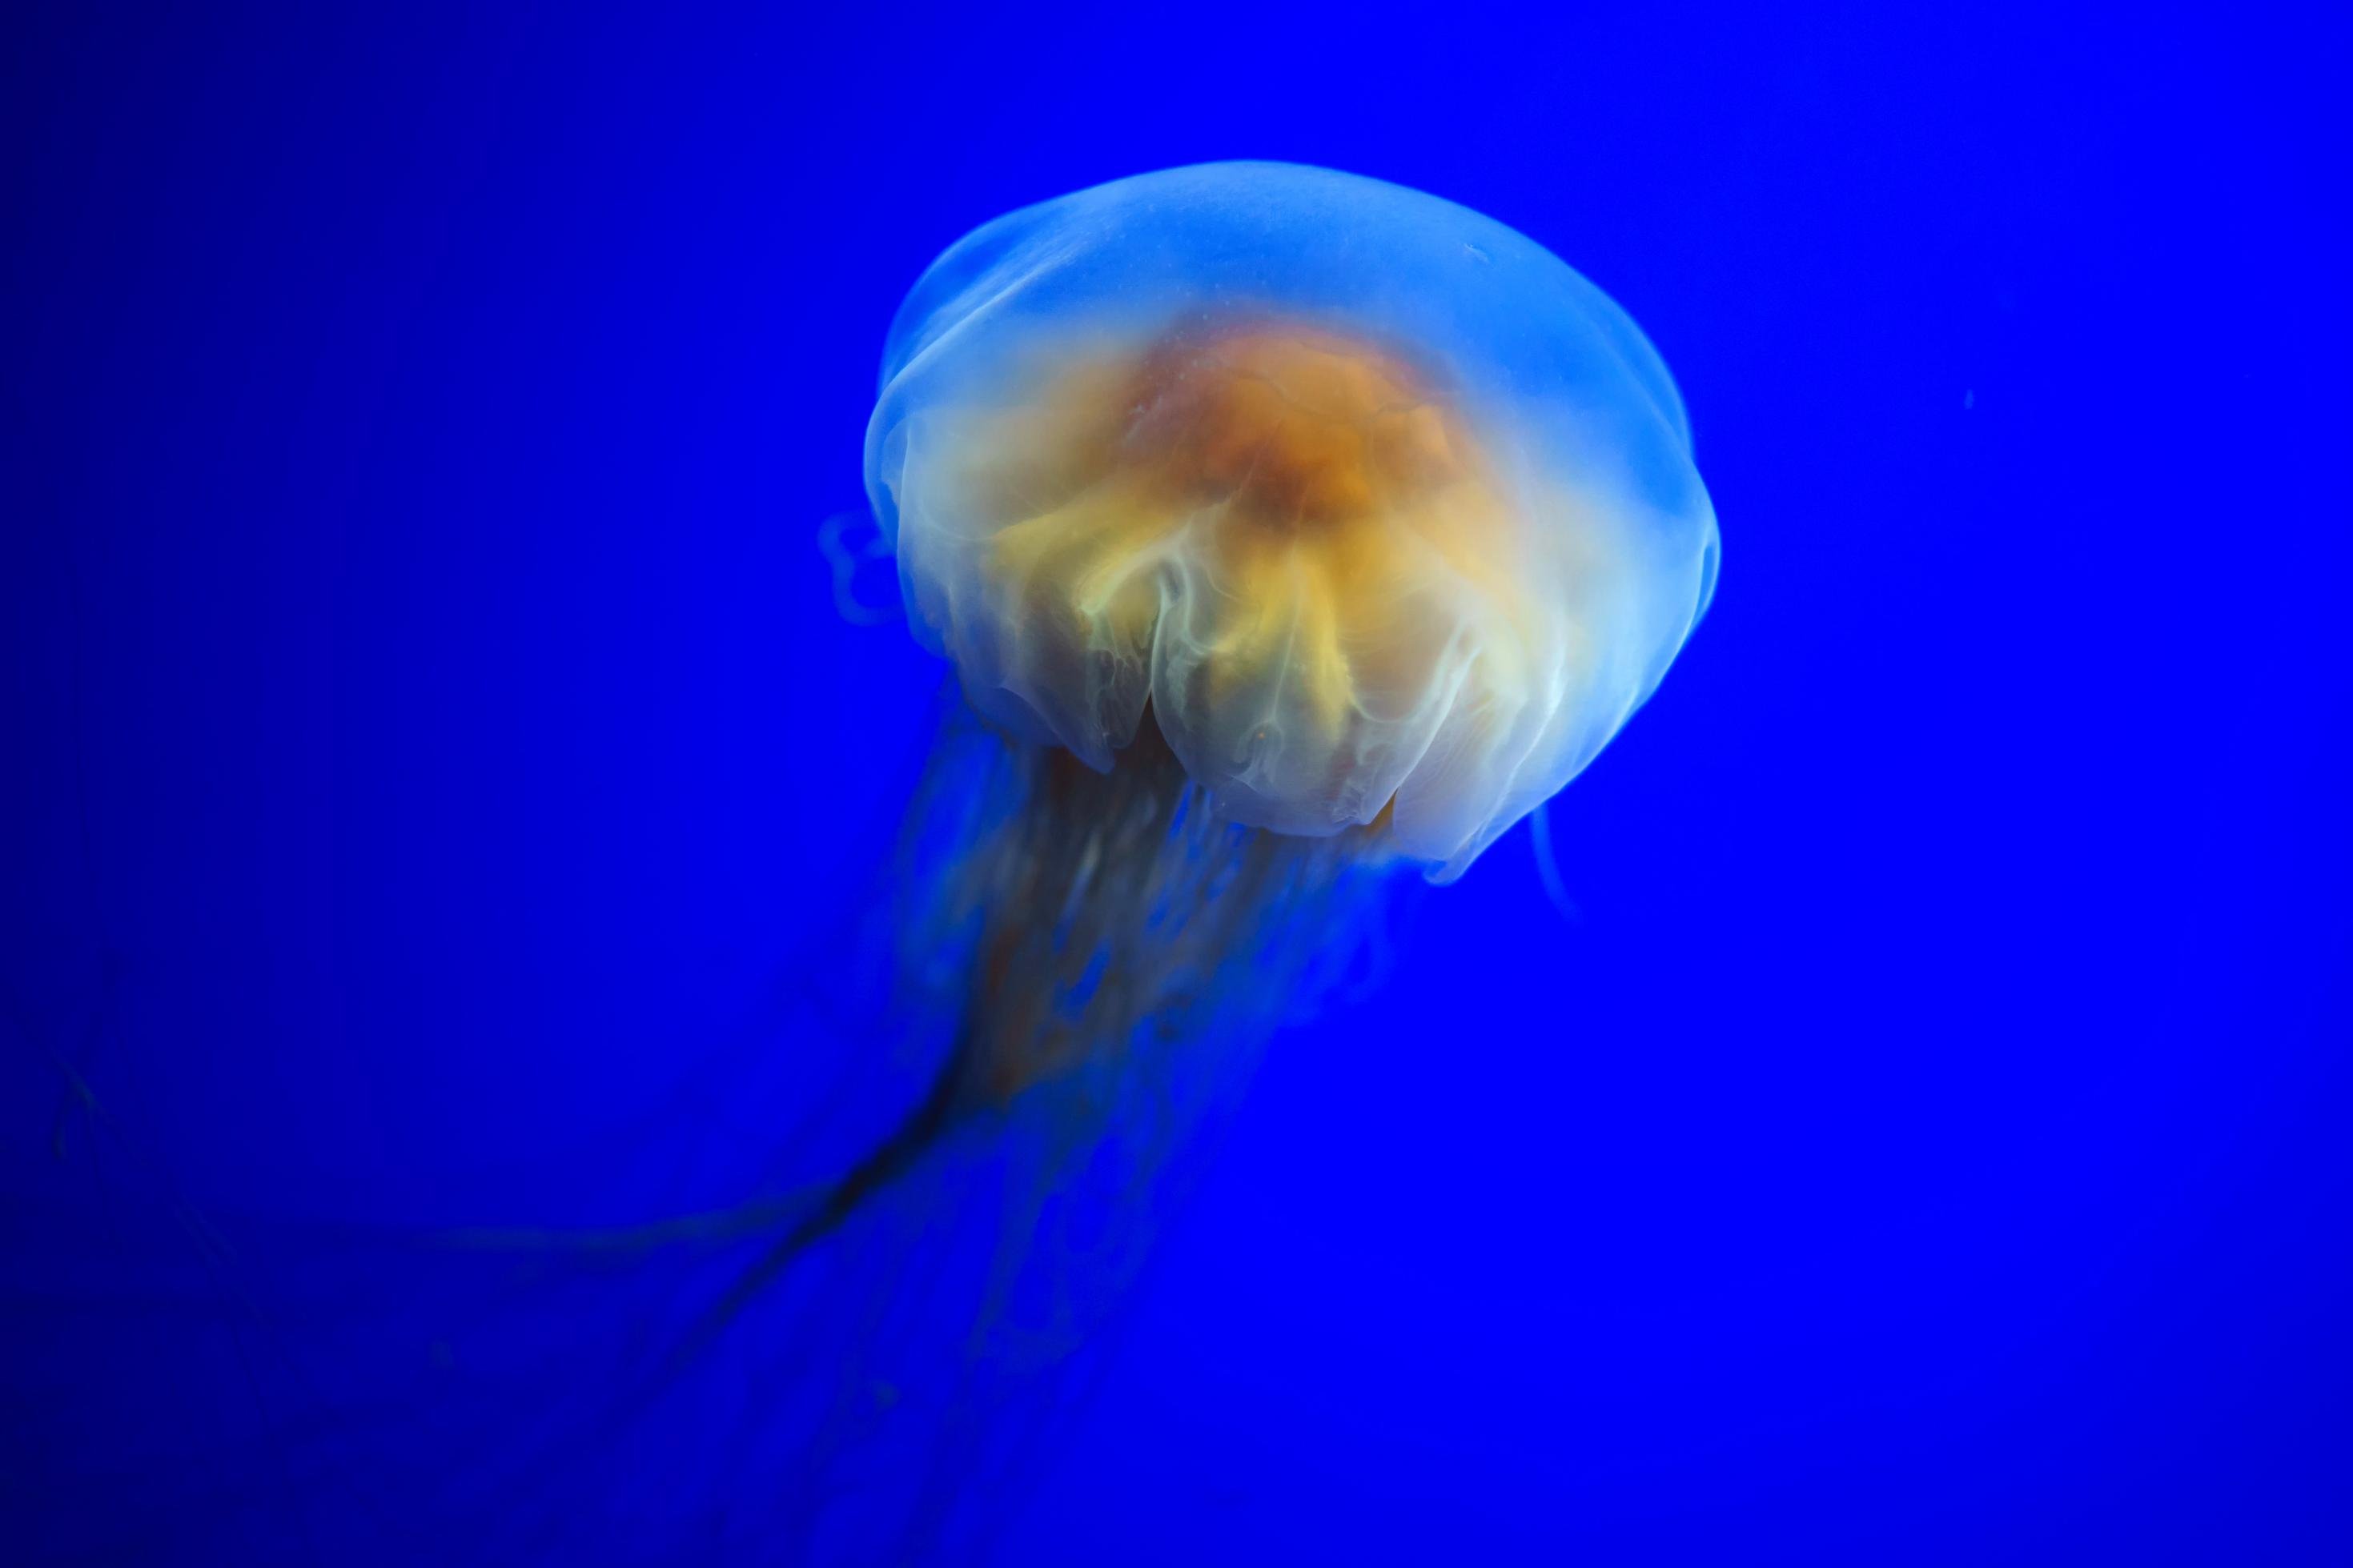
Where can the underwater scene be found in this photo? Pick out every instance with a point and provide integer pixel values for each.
(1235, 785)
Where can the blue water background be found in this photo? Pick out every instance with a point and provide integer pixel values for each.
(430, 740)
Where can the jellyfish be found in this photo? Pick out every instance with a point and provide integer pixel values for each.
(1286, 530)
(1292, 535)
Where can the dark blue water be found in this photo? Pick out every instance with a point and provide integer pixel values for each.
(440, 792)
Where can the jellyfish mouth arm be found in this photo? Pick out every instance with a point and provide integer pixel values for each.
(884, 1164)
(1108, 903)
(967, 1079)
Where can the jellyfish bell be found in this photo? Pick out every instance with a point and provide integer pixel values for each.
(1381, 515)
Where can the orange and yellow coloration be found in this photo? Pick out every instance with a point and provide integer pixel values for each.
(1319, 481)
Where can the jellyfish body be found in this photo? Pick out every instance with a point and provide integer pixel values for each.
(1387, 516)
(1285, 528)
